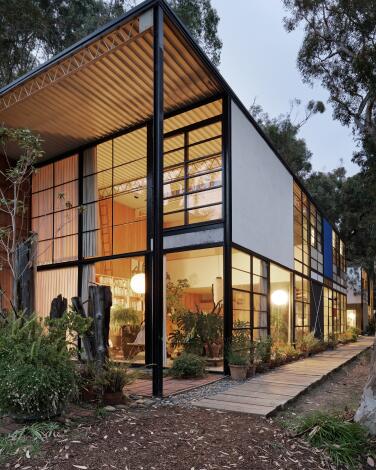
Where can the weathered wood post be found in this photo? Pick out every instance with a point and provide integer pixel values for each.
(23, 283)
(100, 298)
(88, 339)
(59, 306)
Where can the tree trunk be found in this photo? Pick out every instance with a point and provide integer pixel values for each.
(59, 306)
(88, 340)
(23, 283)
(101, 301)
(366, 414)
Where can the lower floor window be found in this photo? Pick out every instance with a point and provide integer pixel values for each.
(302, 306)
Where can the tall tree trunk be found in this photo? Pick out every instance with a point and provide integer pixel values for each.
(59, 306)
(366, 414)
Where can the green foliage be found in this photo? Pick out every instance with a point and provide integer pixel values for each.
(370, 330)
(26, 439)
(202, 21)
(264, 349)
(112, 378)
(308, 343)
(197, 329)
(241, 350)
(37, 375)
(339, 49)
(344, 441)
(121, 316)
(188, 366)
(283, 132)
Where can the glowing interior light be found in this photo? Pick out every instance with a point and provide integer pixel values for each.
(138, 283)
(280, 297)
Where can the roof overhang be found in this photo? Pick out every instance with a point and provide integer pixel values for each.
(104, 83)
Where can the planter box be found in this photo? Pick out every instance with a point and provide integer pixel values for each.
(238, 372)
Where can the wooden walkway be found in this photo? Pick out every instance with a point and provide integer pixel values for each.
(266, 393)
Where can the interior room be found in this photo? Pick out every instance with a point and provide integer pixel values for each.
(280, 304)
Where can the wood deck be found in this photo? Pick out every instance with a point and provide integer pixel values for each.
(171, 386)
(266, 393)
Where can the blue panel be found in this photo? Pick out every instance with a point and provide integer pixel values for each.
(328, 249)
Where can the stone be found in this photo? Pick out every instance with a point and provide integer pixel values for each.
(109, 408)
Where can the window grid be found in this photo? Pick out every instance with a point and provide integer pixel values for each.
(317, 258)
(302, 306)
(301, 231)
(55, 211)
(193, 186)
(250, 295)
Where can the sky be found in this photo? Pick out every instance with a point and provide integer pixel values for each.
(259, 62)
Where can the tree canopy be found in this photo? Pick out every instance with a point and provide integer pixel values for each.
(339, 49)
(32, 31)
(283, 132)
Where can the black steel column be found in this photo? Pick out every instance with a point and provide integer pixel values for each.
(157, 271)
(227, 258)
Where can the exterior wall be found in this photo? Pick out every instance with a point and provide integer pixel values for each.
(262, 195)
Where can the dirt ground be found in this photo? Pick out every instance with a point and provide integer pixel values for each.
(341, 392)
(173, 437)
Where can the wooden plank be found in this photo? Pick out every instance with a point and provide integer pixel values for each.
(241, 408)
(267, 400)
(235, 392)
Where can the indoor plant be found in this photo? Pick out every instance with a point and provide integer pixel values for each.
(119, 318)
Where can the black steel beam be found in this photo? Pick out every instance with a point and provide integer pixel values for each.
(157, 268)
(227, 257)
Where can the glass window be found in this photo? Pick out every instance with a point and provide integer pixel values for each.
(54, 212)
(126, 279)
(249, 294)
(115, 196)
(302, 307)
(301, 231)
(193, 176)
(194, 305)
(280, 304)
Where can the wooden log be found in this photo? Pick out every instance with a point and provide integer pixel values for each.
(59, 306)
(100, 298)
(88, 340)
(23, 285)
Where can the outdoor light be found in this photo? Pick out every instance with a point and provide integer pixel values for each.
(280, 297)
(138, 283)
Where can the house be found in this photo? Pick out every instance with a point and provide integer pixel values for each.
(157, 182)
(360, 298)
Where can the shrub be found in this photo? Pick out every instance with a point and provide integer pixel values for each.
(353, 333)
(112, 379)
(37, 375)
(241, 350)
(188, 365)
(264, 349)
(371, 327)
(307, 343)
(344, 441)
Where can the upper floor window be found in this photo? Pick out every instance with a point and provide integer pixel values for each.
(316, 239)
(54, 211)
(193, 174)
(301, 231)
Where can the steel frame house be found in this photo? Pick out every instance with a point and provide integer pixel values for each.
(141, 82)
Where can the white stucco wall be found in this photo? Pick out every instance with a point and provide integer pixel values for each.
(262, 195)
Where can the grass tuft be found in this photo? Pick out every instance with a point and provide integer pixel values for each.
(344, 441)
(26, 440)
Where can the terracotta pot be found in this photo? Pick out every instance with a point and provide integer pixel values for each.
(238, 372)
(212, 350)
(251, 371)
(113, 398)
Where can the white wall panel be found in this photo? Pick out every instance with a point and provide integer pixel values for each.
(262, 195)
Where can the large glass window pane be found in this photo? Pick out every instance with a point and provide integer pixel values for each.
(280, 304)
(194, 303)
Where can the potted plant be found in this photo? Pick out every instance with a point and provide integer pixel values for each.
(252, 360)
(238, 362)
(120, 318)
(110, 383)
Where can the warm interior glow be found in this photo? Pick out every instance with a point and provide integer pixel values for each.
(280, 297)
(138, 283)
